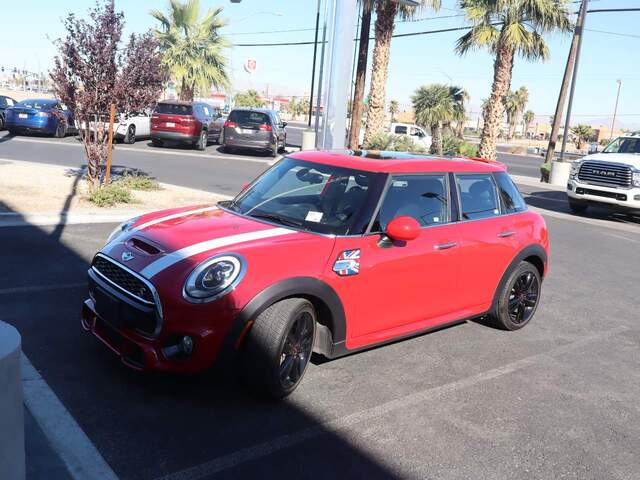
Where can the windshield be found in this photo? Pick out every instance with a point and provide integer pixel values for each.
(624, 145)
(311, 196)
(37, 104)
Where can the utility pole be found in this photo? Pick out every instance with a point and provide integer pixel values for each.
(361, 74)
(615, 109)
(313, 68)
(581, 20)
(568, 71)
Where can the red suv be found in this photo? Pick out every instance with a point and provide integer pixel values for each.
(325, 252)
(193, 123)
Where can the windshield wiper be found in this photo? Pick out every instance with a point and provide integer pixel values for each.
(277, 218)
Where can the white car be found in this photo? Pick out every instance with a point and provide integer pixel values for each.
(610, 178)
(131, 127)
(419, 136)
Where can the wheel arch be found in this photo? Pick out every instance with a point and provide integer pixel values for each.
(534, 254)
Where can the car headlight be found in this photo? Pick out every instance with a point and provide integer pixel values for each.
(635, 178)
(575, 167)
(123, 227)
(214, 278)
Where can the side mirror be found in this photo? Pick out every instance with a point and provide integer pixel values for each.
(403, 229)
(284, 124)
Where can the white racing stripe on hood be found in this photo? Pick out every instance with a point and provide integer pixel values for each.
(150, 223)
(186, 252)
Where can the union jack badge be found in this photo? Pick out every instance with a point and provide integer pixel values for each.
(348, 263)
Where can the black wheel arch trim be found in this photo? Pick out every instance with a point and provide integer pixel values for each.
(305, 287)
(534, 250)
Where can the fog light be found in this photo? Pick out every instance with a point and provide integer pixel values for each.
(636, 197)
(187, 345)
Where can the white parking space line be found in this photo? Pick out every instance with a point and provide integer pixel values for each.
(41, 288)
(623, 227)
(67, 439)
(424, 397)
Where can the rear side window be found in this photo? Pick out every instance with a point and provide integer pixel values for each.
(249, 117)
(422, 197)
(401, 130)
(511, 198)
(478, 196)
(174, 109)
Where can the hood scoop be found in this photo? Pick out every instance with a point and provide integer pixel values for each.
(144, 246)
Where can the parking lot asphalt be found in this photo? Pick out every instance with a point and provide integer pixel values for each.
(555, 400)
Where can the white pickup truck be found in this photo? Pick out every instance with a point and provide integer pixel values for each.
(419, 136)
(610, 178)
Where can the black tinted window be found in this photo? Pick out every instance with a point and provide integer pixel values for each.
(423, 197)
(477, 196)
(401, 129)
(512, 201)
(174, 109)
(249, 117)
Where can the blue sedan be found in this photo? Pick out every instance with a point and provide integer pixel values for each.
(45, 116)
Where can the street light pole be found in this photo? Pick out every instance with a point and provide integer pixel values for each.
(580, 33)
(313, 68)
(615, 109)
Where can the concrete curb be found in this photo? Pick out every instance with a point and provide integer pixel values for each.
(534, 182)
(12, 456)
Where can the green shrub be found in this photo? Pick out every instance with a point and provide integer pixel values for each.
(138, 181)
(452, 145)
(110, 195)
(394, 143)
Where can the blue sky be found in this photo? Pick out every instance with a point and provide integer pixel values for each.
(415, 60)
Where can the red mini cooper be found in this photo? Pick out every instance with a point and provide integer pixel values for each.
(325, 252)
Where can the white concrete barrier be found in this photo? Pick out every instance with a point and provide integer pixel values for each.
(559, 173)
(12, 464)
(308, 140)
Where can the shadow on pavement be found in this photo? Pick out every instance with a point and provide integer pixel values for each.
(7, 137)
(148, 426)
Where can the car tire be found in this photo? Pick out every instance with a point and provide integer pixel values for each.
(61, 130)
(577, 206)
(279, 346)
(156, 142)
(201, 144)
(130, 136)
(1, 123)
(519, 299)
(283, 147)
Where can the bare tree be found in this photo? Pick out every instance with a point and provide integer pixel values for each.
(93, 70)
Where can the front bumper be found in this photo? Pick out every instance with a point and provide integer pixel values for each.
(620, 197)
(150, 352)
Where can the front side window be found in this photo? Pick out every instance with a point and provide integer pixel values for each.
(510, 196)
(310, 196)
(422, 197)
(478, 196)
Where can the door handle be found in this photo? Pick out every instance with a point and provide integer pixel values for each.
(506, 234)
(445, 246)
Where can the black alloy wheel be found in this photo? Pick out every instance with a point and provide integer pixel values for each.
(523, 298)
(130, 137)
(518, 298)
(296, 350)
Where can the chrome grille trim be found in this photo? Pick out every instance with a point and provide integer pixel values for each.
(620, 174)
(156, 303)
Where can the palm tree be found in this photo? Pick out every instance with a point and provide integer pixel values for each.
(356, 108)
(434, 105)
(583, 134)
(192, 47)
(528, 118)
(386, 12)
(460, 97)
(393, 109)
(508, 28)
(514, 104)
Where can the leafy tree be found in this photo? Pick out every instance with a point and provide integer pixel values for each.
(434, 105)
(386, 13)
(192, 47)
(250, 98)
(507, 28)
(528, 118)
(583, 134)
(393, 109)
(514, 104)
(93, 70)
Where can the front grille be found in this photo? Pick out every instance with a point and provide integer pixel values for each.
(123, 279)
(605, 174)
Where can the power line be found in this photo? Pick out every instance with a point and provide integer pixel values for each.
(630, 35)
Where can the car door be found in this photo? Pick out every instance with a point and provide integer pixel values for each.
(487, 239)
(279, 128)
(142, 121)
(410, 286)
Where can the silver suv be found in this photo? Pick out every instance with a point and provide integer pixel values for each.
(254, 129)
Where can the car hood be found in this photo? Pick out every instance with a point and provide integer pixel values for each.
(171, 243)
(626, 158)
